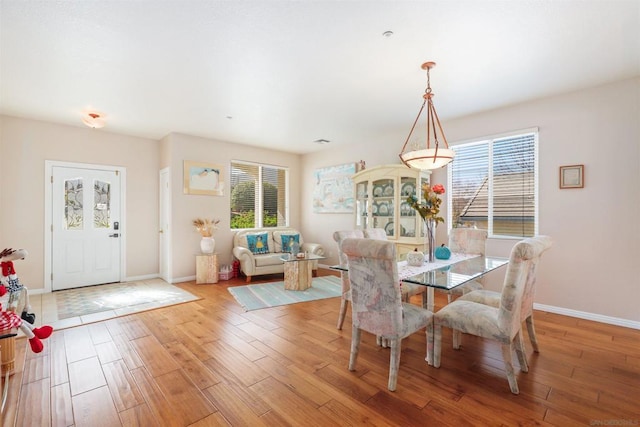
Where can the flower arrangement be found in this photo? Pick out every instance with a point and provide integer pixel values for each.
(206, 227)
(429, 208)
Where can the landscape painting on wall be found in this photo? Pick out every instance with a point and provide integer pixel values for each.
(203, 178)
(333, 190)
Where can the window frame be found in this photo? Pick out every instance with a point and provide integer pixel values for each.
(259, 200)
(490, 140)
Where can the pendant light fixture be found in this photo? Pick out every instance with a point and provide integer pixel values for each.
(430, 157)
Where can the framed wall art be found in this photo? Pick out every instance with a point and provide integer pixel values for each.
(333, 190)
(203, 178)
(572, 176)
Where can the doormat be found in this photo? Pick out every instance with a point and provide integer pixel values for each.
(264, 295)
(122, 298)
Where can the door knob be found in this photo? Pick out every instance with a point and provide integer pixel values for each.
(114, 235)
(161, 231)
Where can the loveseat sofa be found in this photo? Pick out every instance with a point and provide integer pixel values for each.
(259, 249)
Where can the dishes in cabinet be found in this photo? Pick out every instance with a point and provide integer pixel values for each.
(374, 209)
(408, 189)
(405, 209)
(389, 228)
(383, 208)
(388, 190)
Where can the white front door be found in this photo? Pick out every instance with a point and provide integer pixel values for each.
(86, 227)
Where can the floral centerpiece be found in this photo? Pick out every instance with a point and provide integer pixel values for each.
(429, 208)
(206, 227)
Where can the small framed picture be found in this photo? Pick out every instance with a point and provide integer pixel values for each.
(203, 178)
(572, 176)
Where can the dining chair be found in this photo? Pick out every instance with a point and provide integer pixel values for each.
(339, 237)
(466, 241)
(492, 298)
(376, 301)
(408, 289)
(502, 323)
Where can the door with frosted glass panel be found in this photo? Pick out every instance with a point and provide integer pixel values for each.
(86, 228)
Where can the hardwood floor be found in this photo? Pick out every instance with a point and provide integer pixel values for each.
(209, 363)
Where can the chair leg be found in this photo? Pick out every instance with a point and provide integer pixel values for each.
(355, 347)
(532, 334)
(429, 332)
(449, 298)
(457, 339)
(343, 311)
(394, 363)
(521, 352)
(508, 366)
(437, 344)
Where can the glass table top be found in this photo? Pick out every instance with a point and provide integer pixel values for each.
(453, 275)
(308, 257)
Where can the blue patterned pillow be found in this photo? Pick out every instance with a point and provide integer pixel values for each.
(289, 241)
(258, 243)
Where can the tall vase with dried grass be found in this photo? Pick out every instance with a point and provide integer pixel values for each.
(206, 227)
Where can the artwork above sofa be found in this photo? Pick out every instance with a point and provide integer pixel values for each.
(259, 249)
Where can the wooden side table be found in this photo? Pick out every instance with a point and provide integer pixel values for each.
(298, 271)
(206, 268)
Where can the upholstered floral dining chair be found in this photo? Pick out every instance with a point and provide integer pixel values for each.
(502, 323)
(376, 300)
(467, 241)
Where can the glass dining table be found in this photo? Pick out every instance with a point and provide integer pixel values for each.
(445, 274)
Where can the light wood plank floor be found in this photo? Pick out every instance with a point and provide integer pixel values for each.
(208, 363)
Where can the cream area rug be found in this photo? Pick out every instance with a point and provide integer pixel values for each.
(120, 298)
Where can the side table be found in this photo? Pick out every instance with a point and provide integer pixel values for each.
(206, 268)
(298, 271)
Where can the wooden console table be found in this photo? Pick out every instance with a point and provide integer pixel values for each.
(206, 268)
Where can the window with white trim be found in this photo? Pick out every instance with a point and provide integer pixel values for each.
(259, 195)
(493, 185)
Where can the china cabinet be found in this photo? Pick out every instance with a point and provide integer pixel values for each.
(381, 193)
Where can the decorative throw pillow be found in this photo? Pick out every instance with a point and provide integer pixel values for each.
(258, 243)
(289, 241)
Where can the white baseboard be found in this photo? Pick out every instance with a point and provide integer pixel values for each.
(588, 316)
(144, 277)
(183, 279)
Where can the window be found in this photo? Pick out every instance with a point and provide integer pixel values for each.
(493, 185)
(259, 195)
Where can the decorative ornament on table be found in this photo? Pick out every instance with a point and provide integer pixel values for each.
(443, 252)
(415, 258)
(206, 227)
(429, 208)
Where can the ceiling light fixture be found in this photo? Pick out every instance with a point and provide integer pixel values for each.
(428, 158)
(93, 120)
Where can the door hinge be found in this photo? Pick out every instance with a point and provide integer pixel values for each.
(51, 276)
(117, 172)
(52, 179)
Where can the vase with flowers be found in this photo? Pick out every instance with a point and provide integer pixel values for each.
(429, 208)
(206, 227)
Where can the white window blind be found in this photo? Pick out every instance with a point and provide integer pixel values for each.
(258, 195)
(492, 185)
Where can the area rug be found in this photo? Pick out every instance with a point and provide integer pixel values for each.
(119, 297)
(264, 295)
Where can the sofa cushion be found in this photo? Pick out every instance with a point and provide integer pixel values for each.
(278, 240)
(258, 243)
(268, 259)
(287, 241)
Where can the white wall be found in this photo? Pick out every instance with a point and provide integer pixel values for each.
(592, 266)
(185, 207)
(24, 147)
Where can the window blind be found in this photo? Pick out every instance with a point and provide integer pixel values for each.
(493, 185)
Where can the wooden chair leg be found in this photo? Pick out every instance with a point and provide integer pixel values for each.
(394, 363)
(457, 339)
(532, 334)
(518, 341)
(508, 366)
(343, 312)
(355, 347)
(429, 332)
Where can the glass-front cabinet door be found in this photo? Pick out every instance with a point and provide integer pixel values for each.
(381, 202)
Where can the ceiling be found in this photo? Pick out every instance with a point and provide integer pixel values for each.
(282, 74)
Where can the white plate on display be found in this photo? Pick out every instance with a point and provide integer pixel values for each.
(378, 190)
(383, 208)
(388, 190)
(408, 189)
